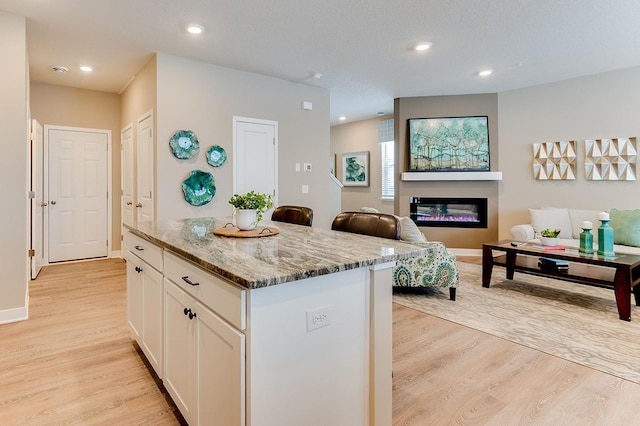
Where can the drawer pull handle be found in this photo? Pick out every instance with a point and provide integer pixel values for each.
(138, 269)
(139, 248)
(187, 311)
(188, 281)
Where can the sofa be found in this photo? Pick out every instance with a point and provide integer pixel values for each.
(625, 224)
(436, 269)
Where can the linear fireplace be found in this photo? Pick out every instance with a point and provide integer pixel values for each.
(449, 212)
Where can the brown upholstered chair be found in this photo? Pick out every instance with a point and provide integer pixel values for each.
(373, 224)
(293, 214)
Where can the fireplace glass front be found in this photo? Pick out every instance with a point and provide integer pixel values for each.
(449, 212)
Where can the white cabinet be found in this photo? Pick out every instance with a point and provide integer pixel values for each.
(180, 349)
(134, 296)
(145, 298)
(204, 361)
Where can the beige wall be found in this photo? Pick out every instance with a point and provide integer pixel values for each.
(67, 106)
(599, 106)
(14, 82)
(204, 98)
(449, 106)
(354, 137)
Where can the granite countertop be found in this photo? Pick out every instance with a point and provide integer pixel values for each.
(296, 253)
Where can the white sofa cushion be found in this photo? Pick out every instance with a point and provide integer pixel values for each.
(551, 219)
(579, 216)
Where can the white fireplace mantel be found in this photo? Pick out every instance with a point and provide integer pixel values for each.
(449, 176)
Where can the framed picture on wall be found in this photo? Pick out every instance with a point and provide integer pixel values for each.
(355, 168)
(332, 164)
(449, 144)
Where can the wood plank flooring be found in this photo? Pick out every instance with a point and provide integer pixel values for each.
(73, 363)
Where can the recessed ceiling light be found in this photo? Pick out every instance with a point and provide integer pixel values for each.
(422, 46)
(316, 75)
(195, 29)
(86, 68)
(485, 73)
(342, 118)
(59, 68)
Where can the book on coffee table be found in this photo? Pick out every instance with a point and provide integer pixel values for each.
(554, 264)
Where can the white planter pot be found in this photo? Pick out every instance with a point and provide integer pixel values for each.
(246, 220)
(548, 241)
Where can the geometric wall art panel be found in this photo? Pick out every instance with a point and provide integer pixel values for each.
(554, 160)
(611, 159)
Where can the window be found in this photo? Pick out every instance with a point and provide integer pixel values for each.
(385, 140)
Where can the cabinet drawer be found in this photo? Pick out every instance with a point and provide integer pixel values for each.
(145, 250)
(221, 296)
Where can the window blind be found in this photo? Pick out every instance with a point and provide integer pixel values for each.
(385, 140)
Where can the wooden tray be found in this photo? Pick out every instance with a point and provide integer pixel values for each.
(232, 231)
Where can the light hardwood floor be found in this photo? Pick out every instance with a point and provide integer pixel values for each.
(73, 363)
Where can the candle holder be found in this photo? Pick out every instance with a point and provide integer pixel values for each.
(605, 238)
(586, 241)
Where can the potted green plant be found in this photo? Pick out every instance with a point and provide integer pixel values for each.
(549, 237)
(249, 208)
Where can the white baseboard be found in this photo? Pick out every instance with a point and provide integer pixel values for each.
(116, 253)
(14, 315)
(465, 252)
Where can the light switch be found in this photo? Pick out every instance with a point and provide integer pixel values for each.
(297, 167)
(307, 167)
(307, 106)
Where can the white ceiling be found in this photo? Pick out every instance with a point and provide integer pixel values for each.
(362, 48)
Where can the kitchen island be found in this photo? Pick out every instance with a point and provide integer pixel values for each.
(288, 329)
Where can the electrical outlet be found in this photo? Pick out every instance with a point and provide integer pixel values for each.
(305, 189)
(318, 318)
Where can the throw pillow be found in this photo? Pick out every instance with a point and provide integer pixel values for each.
(626, 227)
(410, 232)
(369, 210)
(551, 219)
(579, 216)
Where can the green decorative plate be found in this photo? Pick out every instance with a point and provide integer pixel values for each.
(199, 188)
(216, 156)
(184, 144)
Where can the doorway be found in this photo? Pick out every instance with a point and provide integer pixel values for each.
(77, 186)
(255, 156)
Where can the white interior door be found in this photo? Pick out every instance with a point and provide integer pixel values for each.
(77, 193)
(128, 182)
(145, 169)
(255, 156)
(37, 202)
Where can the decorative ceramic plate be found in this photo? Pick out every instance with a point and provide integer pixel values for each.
(216, 156)
(199, 188)
(184, 144)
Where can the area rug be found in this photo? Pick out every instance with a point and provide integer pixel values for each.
(575, 322)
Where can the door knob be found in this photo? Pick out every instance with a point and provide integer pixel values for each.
(139, 205)
(44, 204)
(129, 203)
(54, 202)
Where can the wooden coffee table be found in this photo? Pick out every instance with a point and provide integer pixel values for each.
(620, 272)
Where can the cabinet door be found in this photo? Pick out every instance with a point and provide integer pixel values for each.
(180, 346)
(134, 296)
(221, 371)
(152, 296)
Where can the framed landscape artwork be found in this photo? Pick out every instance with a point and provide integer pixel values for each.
(450, 144)
(355, 168)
